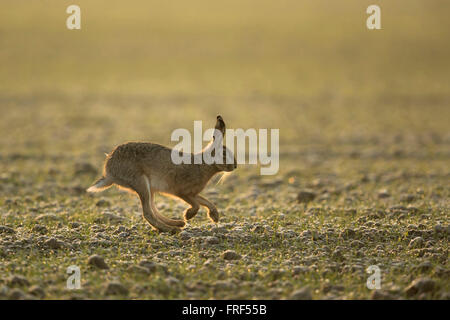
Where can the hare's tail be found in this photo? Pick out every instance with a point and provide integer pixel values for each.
(100, 185)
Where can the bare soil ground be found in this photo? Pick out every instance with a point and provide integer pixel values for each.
(364, 149)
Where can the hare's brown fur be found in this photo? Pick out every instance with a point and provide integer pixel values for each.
(147, 168)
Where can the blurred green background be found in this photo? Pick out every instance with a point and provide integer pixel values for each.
(139, 69)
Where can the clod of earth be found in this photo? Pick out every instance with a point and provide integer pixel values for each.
(98, 262)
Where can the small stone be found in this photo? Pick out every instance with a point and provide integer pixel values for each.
(109, 217)
(121, 229)
(445, 296)
(348, 234)
(424, 266)
(153, 267)
(40, 229)
(381, 295)
(5, 229)
(37, 292)
(299, 270)
(172, 281)
(97, 261)
(277, 273)
(4, 291)
(416, 242)
(231, 255)
(412, 209)
(53, 243)
(17, 280)
(223, 285)
(301, 294)
(439, 228)
(212, 240)
(103, 203)
(382, 194)
(337, 254)
(16, 294)
(305, 196)
(47, 217)
(407, 198)
(421, 285)
(123, 235)
(75, 225)
(85, 168)
(258, 229)
(208, 263)
(184, 235)
(138, 270)
(149, 265)
(116, 288)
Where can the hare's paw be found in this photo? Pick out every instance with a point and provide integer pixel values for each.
(169, 229)
(214, 215)
(178, 223)
(190, 213)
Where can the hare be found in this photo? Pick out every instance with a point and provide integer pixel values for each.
(147, 168)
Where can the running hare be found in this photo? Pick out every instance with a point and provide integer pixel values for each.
(147, 168)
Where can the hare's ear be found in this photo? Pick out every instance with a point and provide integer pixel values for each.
(220, 126)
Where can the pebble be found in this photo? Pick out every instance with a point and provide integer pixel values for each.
(172, 281)
(75, 225)
(301, 294)
(5, 229)
(212, 240)
(116, 288)
(4, 291)
(332, 288)
(103, 203)
(381, 295)
(382, 194)
(184, 235)
(416, 242)
(53, 243)
(40, 229)
(16, 294)
(421, 285)
(97, 261)
(47, 217)
(84, 168)
(223, 285)
(440, 229)
(138, 270)
(17, 280)
(109, 217)
(407, 198)
(37, 292)
(305, 196)
(299, 270)
(231, 255)
(149, 265)
(424, 266)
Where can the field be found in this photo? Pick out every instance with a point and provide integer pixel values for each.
(364, 148)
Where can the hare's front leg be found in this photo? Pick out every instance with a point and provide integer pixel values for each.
(213, 214)
(192, 211)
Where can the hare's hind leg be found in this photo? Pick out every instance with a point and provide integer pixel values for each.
(166, 220)
(213, 214)
(142, 187)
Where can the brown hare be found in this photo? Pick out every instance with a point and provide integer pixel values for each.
(147, 168)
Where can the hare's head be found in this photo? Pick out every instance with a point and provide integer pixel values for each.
(229, 160)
